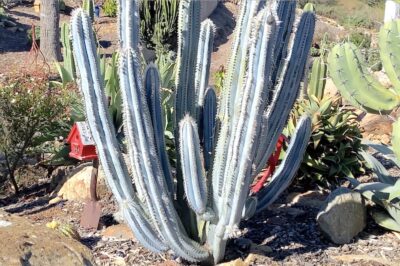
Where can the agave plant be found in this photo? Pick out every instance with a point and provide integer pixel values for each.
(358, 87)
(195, 211)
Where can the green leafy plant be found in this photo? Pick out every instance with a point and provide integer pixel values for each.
(186, 212)
(219, 78)
(110, 8)
(30, 115)
(361, 40)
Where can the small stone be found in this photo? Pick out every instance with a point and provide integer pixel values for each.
(295, 212)
(55, 200)
(237, 262)
(343, 215)
(345, 248)
(169, 263)
(313, 199)
(119, 231)
(252, 259)
(5, 223)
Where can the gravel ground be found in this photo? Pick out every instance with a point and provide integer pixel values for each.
(287, 234)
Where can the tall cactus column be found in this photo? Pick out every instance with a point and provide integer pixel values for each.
(213, 180)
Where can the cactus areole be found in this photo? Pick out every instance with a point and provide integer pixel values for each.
(222, 146)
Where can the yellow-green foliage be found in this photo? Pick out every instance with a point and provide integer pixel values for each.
(110, 8)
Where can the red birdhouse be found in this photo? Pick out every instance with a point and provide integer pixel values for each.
(81, 142)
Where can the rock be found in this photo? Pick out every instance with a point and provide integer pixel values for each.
(237, 262)
(377, 126)
(76, 185)
(24, 243)
(119, 231)
(252, 259)
(343, 215)
(313, 198)
(55, 200)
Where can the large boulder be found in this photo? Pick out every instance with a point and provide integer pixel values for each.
(75, 185)
(343, 216)
(24, 243)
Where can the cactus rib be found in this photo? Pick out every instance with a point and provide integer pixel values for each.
(103, 133)
(288, 168)
(192, 169)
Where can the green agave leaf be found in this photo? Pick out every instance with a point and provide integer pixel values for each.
(385, 220)
(381, 172)
(376, 192)
(395, 192)
(325, 106)
(64, 74)
(393, 209)
(396, 138)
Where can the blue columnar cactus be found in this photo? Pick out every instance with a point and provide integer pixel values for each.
(268, 61)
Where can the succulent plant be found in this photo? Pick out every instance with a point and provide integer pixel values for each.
(196, 211)
(158, 26)
(67, 69)
(359, 87)
(384, 193)
(335, 147)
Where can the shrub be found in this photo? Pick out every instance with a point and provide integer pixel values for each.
(360, 39)
(110, 8)
(32, 112)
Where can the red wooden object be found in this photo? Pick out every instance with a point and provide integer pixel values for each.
(81, 142)
(272, 162)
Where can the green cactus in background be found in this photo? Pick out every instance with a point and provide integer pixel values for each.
(316, 85)
(88, 6)
(196, 211)
(359, 87)
(67, 69)
(159, 23)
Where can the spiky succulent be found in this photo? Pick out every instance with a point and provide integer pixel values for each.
(196, 211)
(358, 86)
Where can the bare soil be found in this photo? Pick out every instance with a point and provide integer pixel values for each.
(285, 235)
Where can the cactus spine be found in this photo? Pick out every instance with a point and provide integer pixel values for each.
(218, 190)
